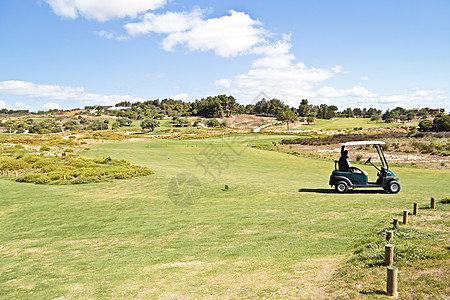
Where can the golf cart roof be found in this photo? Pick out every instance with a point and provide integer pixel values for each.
(358, 143)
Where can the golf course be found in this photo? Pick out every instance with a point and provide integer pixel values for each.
(276, 231)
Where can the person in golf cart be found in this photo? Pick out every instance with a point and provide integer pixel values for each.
(345, 175)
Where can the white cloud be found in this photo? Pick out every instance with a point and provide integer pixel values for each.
(277, 74)
(180, 96)
(18, 105)
(24, 106)
(111, 35)
(3, 104)
(103, 10)
(230, 35)
(224, 82)
(337, 69)
(77, 95)
(167, 23)
(356, 91)
(51, 105)
(359, 96)
(417, 98)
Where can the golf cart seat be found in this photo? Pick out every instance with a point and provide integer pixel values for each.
(346, 166)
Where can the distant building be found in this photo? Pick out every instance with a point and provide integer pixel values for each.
(433, 111)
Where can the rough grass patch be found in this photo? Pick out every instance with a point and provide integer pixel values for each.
(76, 170)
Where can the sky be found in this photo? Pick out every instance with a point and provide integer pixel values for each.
(74, 53)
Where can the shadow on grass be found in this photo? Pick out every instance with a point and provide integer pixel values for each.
(373, 292)
(332, 191)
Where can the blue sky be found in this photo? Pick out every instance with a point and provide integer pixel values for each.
(73, 53)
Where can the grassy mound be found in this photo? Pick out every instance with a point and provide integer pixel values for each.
(69, 169)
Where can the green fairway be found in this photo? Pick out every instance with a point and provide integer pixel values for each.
(346, 123)
(180, 234)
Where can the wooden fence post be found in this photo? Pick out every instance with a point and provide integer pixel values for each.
(388, 255)
(389, 235)
(395, 223)
(416, 209)
(391, 282)
(405, 217)
(433, 203)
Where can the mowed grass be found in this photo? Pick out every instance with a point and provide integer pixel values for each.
(142, 238)
(347, 123)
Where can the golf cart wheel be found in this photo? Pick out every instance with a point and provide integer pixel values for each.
(341, 187)
(393, 187)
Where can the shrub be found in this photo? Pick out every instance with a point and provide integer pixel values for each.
(14, 164)
(441, 123)
(42, 162)
(75, 170)
(59, 175)
(49, 168)
(31, 159)
(212, 123)
(426, 125)
(120, 176)
(42, 179)
(35, 178)
(81, 163)
(103, 160)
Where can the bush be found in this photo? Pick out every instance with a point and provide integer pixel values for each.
(441, 123)
(49, 168)
(14, 164)
(426, 125)
(103, 160)
(73, 170)
(59, 175)
(42, 162)
(81, 163)
(31, 159)
(212, 123)
(35, 178)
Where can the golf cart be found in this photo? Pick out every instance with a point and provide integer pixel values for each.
(346, 176)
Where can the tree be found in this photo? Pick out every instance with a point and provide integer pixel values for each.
(426, 125)
(357, 112)
(375, 117)
(287, 116)
(149, 124)
(304, 109)
(441, 123)
(326, 112)
(212, 123)
(410, 115)
(71, 125)
(309, 119)
(124, 122)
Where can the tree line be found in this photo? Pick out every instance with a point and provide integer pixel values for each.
(220, 106)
